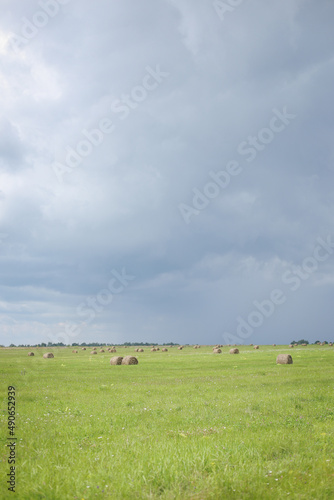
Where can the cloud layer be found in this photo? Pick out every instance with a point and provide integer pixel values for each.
(116, 118)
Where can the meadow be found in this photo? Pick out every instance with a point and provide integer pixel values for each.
(184, 424)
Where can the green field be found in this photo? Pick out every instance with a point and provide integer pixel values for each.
(184, 424)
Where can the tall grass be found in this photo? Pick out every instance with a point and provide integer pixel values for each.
(185, 424)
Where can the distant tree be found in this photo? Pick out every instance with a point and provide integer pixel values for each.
(12, 345)
(299, 342)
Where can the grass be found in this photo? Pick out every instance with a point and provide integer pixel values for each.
(184, 425)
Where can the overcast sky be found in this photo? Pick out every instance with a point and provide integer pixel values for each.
(166, 171)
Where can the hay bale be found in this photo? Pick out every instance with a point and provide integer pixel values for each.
(48, 355)
(94, 349)
(129, 360)
(274, 345)
(153, 349)
(256, 347)
(250, 344)
(180, 348)
(217, 351)
(31, 354)
(284, 359)
(164, 350)
(140, 350)
(113, 350)
(158, 348)
(136, 350)
(291, 345)
(74, 351)
(93, 352)
(101, 350)
(83, 348)
(304, 344)
(116, 360)
(234, 351)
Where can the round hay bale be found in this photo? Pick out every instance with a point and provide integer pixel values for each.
(83, 348)
(136, 350)
(116, 360)
(250, 344)
(48, 355)
(304, 345)
(93, 352)
(217, 351)
(153, 349)
(101, 350)
(74, 351)
(284, 359)
(291, 345)
(158, 348)
(113, 350)
(274, 345)
(256, 347)
(234, 351)
(31, 354)
(94, 349)
(129, 360)
(180, 348)
(164, 350)
(140, 350)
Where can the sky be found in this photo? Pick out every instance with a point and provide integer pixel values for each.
(166, 171)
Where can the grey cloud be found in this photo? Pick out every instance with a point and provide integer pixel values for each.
(118, 208)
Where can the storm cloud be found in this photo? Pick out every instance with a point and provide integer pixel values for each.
(186, 144)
